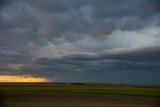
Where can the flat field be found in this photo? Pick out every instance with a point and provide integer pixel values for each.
(82, 95)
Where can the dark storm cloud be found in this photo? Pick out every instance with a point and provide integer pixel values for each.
(139, 60)
(147, 57)
(17, 16)
(18, 26)
(4, 3)
(104, 69)
(97, 17)
(125, 15)
(82, 57)
(146, 54)
(76, 38)
(53, 61)
(48, 6)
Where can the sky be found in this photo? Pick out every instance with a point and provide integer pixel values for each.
(100, 41)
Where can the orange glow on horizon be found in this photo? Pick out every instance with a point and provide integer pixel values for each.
(6, 78)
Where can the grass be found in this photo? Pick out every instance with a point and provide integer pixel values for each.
(89, 89)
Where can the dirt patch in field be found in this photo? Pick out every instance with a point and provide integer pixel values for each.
(74, 100)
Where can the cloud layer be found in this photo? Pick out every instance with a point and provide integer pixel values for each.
(86, 41)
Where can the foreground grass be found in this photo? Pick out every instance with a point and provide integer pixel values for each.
(90, 89)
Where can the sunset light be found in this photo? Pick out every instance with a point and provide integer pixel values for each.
(5, 78)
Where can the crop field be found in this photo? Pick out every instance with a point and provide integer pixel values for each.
(81, 95)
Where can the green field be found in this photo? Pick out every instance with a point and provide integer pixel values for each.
(88, 89)
(83, 95)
